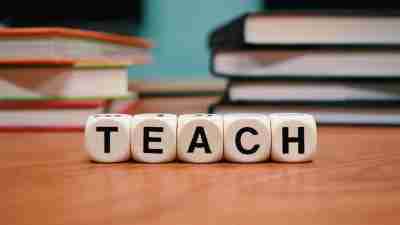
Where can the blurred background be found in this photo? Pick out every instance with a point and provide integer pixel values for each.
(337, 61)
(178, 30)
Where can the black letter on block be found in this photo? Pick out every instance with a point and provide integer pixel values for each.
(238, 142)
(286, 139)
(147, 139)
(199, 131)
(107, 131)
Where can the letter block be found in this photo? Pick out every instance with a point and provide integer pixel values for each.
(107, 137)
(294, 137)
(247, 137)
(200, 138)
(153, 137)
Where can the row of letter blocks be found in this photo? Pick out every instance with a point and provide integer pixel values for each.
(201, 138)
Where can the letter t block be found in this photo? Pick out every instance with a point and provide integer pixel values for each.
(107, 137)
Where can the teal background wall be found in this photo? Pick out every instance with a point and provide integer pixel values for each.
(179, 31)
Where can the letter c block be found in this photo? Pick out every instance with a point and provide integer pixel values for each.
(247, 137)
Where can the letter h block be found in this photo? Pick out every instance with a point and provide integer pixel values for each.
(294, 137)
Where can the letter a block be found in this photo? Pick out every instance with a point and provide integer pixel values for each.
(294, 137)
(247, 137)
(200, 138)
(107, 137)
(153, 137)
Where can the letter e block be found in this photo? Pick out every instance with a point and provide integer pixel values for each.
(153, 137)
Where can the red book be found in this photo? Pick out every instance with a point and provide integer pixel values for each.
(57, 115)
(51, 104)
(66, 45)
(52, 115)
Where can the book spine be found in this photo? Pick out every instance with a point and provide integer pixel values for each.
(19, 129)
(51, 104)
(230, 35)
(348, 103)
(211, 108)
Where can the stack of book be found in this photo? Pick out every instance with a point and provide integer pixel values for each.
(54, 78)
(343, 66)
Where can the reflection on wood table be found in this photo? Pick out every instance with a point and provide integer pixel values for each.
(355, 179)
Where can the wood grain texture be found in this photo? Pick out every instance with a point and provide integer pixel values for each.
(46, 178)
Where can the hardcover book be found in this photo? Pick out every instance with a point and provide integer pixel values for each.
(377, 113)
(309, 27)
(66, 44)
(54, 79)
(313, 91)
(47, 115)
(307, 63)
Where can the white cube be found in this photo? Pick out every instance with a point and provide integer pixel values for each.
(200, 138)
(153, 137)
(107, 137)
(247, 137)
(294, 137)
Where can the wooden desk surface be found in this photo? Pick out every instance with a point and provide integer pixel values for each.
(47, 179)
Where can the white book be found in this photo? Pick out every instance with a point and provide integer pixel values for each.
(311, 63)
(372, 115)
(320, 28)
(37, 82)
(313, 91)
(66, 44)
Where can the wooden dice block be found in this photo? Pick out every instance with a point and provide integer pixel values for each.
(107, 137)
(153, 137)
(247, 137)
(294, 137)
(200, 138)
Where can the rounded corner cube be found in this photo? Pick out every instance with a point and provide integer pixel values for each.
(294, 137)
(247, 137)
(107, 137)
(200, 138)
(153, 137)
